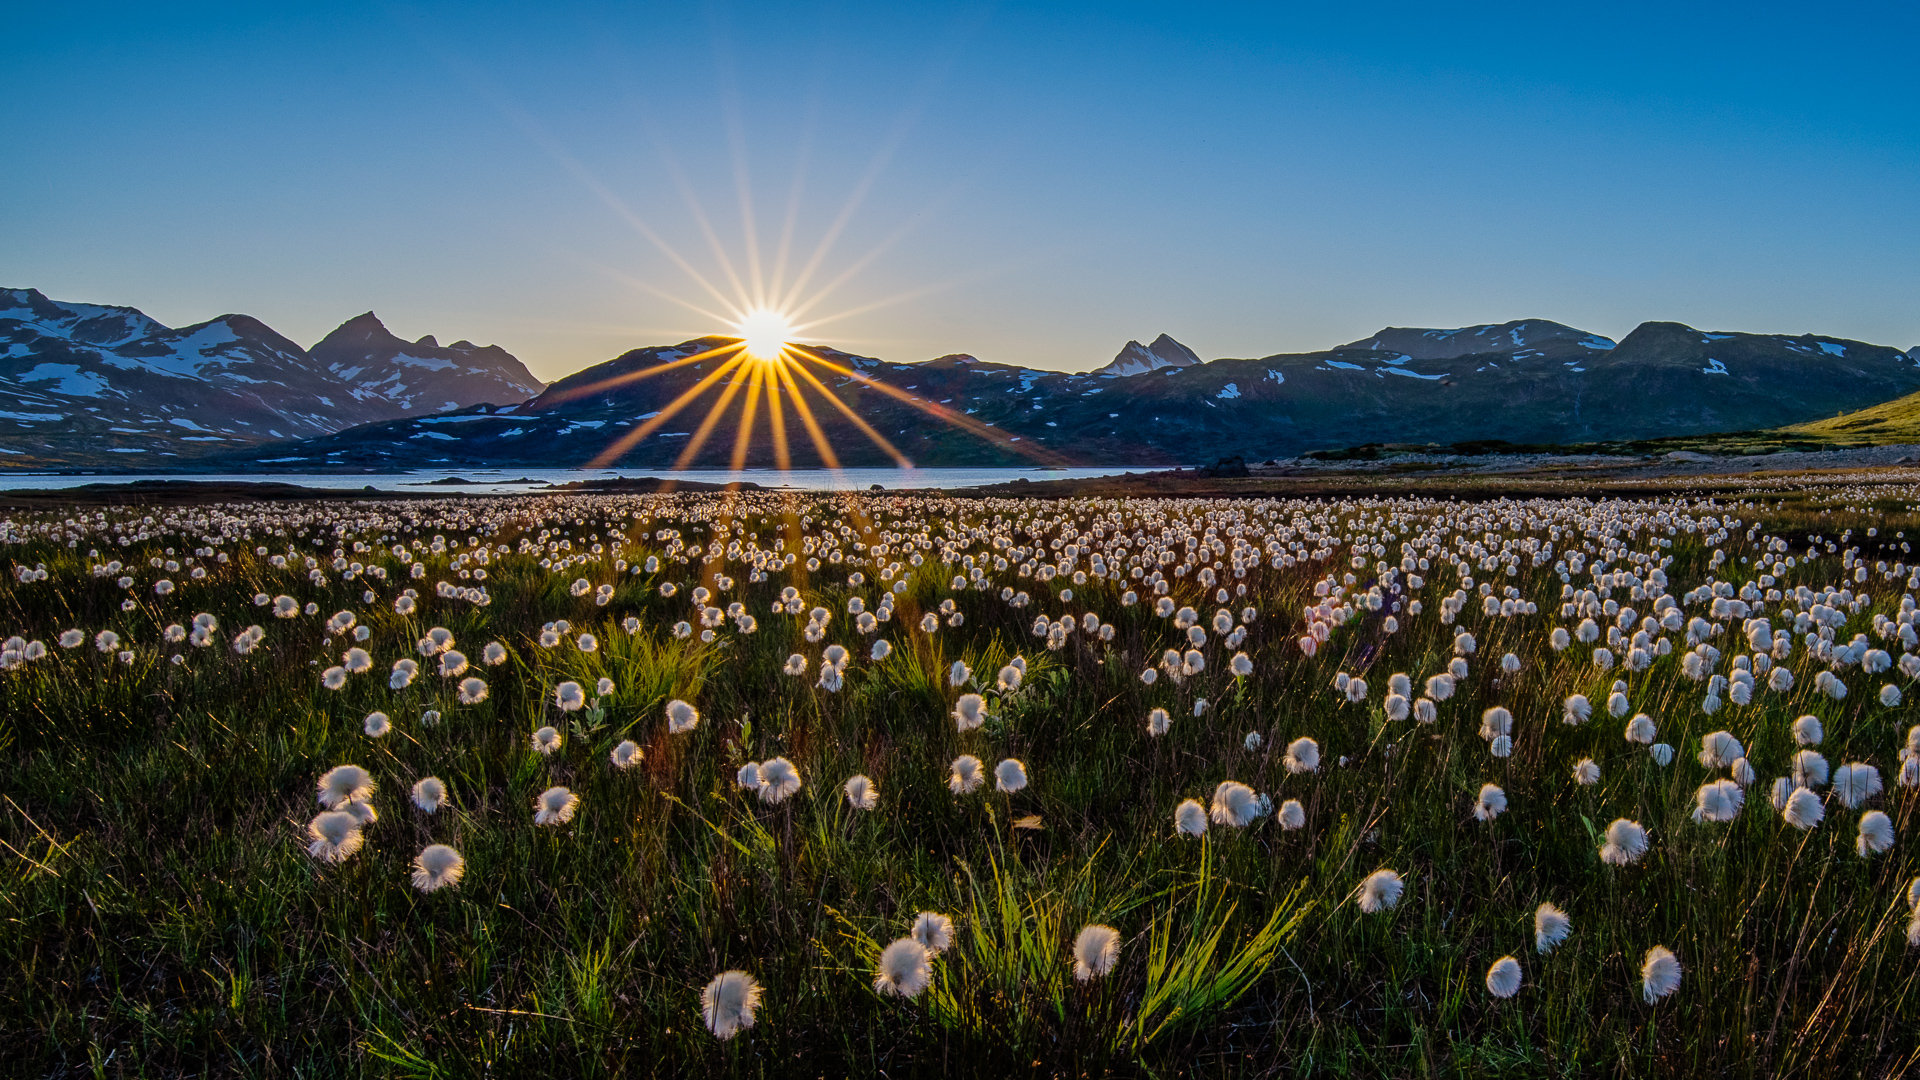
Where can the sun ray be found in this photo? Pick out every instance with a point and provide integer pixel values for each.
(710, 316)
(644, 373)
(699, 214)
(626, 442)
(820, 443)
(785, 248)
(777, 421)
(715, 413)
(748, 406)
(866, 428)
(533, 130)
(959, 420)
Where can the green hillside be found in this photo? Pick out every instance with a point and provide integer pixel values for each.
(1896, 421)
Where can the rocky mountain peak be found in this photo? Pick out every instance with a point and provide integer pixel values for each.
(1135, 358)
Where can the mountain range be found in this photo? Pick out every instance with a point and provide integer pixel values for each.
(87, 384)
(1529, 381)
(90, 384)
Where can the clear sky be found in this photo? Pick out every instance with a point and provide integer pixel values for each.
(1030, 183)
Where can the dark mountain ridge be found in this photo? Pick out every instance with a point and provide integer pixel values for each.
(1529, 381)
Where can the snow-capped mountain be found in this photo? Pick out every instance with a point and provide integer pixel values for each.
(421, 376)
(1535, 382)
(1138, 359)
(92, 384)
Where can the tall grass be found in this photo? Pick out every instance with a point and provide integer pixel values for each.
(163, 918)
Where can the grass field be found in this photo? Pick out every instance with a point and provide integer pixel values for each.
(165, 916)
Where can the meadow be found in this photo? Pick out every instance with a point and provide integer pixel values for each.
(1502, 787)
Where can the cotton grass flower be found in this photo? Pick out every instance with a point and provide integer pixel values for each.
(334, 678)
(1190, 818)
(1576, 710)
(681, 717)
(626, 755)
(547, 739)
(1491, 803)
(779, 779)
(969, 712)
(1855, 783)
(1303, 756)
(472, 691)
(861, 793)
(903, 970)
(1586, 772)
(494, 654)
(1719, 801)
(1809, 769)
(1550, 927)
(1807, 731)
(933, 931)
(437, 867)
(377, 725)
(1010, 776)
(1291, 815)
(966, 775)
(1380, 892)
(1720, 749)
(1503, 978)
(335, 836)
(1659, 974)
(1626, 843)
(1096, 949)
(555, 806)
(1641, 729)
(430, 794)
(569, 696)
(1803, 809)
(1876, 833)
(1235, 804)
(728, 1003)
(1159, 721)
(343, 784)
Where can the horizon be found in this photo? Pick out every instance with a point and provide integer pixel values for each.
(1031, 191)
(437, 337)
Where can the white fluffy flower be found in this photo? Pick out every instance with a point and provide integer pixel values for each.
(1659, 974)
(1550, 927)
(1095, 951)
(1380, 891)
(1503, 978)
(1626, 843)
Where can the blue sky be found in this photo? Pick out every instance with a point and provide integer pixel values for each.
(1031, 183)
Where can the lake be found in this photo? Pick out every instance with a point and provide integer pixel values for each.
(509, 481)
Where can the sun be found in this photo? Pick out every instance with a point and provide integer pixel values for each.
(764, 333)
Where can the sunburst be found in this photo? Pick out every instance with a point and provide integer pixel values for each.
(760, 358)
